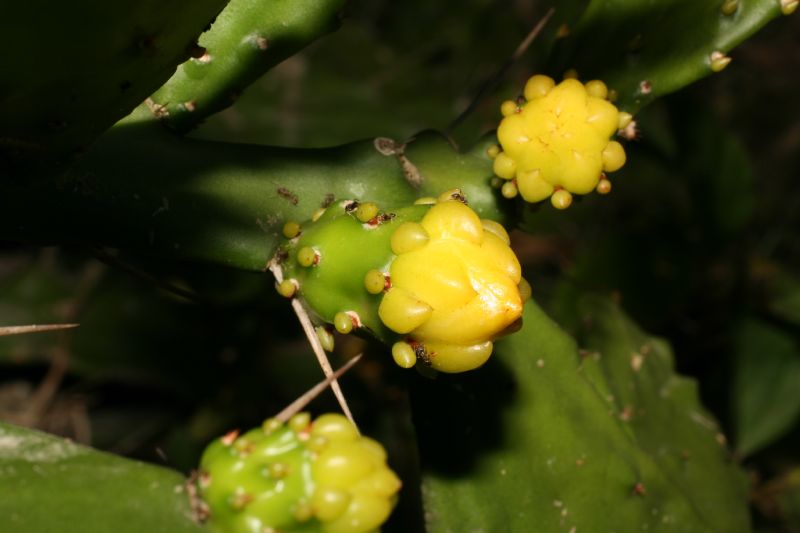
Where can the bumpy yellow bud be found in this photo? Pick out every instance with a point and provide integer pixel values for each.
(355, 489)
(454, 292)
(559, 140)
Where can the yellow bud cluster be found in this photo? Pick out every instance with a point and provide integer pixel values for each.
(556, 143)
(454, 288)
(355, 489)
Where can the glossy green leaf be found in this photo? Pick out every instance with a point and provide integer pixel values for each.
(50, 485)
(645, 50)
(766, 402)
(548, 437)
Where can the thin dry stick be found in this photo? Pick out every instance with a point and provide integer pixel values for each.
(492, 82)
(296, 406)
(18, 330)
(316, 345)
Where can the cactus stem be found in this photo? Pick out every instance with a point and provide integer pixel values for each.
(311, 335)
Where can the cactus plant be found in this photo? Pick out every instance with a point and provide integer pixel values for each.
(408, 239)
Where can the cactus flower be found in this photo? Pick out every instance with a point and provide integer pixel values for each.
(304, 476)
(557, 141)
(454, 286)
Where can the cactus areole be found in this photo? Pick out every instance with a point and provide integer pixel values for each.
(432, 279)
(300, 477)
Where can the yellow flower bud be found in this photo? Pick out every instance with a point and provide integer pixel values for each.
(559, 140)
(455, 293)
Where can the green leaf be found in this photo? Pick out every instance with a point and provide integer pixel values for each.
(550, 438)
(645, 50)
(766, 403)
(50, 485)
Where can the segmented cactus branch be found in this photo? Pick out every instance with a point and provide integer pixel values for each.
(248, 38)
(221, 202)
(316, 345)
(652, 49)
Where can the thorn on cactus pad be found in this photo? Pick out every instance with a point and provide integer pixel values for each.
(325, 338)
(307, 257)
(366, 211)
(240, 500)
(194, 50)
(729, 7)
(230, 437)
(291, 230)
(719, 61)
(376, 282)
(789, 6)
(343, 322)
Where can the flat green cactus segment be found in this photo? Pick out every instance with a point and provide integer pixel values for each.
(248, 38)
(348, 249)
(645, 50)
(226, 203)
(71, 71)
(571, 440)
(50, 485)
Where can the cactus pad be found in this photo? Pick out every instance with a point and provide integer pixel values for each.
(556, 141)
(297, 477)
(432, 278)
